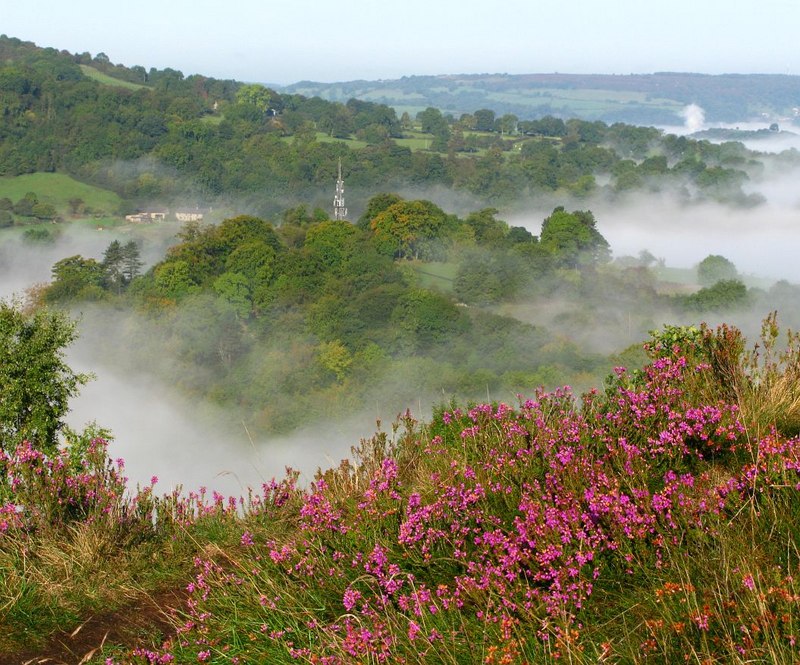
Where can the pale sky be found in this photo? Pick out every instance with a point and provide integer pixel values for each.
(291, 40)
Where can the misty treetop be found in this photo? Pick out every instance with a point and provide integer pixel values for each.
(313, 315)
(319, 311)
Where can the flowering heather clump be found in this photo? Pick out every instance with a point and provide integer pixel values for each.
(53, 490)
(498, 533)
(644, 523)
(75, 540)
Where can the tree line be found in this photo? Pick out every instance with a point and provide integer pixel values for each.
(311, 316)
(219, 138)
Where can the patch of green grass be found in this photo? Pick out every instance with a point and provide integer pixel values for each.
(57, 189)
(105, 79)
(415, 143)
(593, 101)
(436, 275)
(322, 137)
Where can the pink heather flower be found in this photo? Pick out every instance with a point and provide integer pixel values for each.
(203, 656)
(413, 630)
(350, 598)
(247, 539)
(701, 619)
(153, 480)
(748, 582)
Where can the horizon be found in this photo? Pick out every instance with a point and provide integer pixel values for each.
(320, 42)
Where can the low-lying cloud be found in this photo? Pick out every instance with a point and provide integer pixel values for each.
(189, 442)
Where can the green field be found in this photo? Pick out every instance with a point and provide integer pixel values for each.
(415, 140)
(57, 189)
(471, 95)
(582, 101)
(436, 275)
(322, 137)
(687, 278)
(105, 79)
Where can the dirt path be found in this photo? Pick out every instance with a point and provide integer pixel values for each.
(133, 625)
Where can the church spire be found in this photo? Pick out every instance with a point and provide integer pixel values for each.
(339, 210)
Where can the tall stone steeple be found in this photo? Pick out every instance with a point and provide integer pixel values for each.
(339, 210)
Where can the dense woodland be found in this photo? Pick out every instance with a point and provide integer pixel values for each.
(160, 136)
(316, 318)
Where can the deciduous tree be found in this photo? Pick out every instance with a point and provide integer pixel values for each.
(35, 381)
(574, 239)
(715, 268)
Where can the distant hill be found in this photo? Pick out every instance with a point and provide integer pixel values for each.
(159, 136)
(637, 98)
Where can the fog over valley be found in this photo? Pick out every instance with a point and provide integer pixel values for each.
(187, 440)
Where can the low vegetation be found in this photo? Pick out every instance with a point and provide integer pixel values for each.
(651, 521)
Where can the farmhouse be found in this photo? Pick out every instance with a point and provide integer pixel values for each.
(183, 216)
(141, 217)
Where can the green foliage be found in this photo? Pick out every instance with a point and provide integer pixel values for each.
(410, 229)
(427, 319)
(241, 310)
(722, 296)
(331, 243)
(484, 120)
(477, 283)
(715, 268)
(675, 339)
(223, 137)
(433, 122)
(376, 205)
(235, 289)
(573, 239)
(35, 382)
(488, 230)
(486, 278)
(24, 207)
(39, 234)
(255, 95)
(335, 358)
(76, 278)
(173, 280)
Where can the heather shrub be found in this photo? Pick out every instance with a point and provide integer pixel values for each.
(652, 521)
(499, 534)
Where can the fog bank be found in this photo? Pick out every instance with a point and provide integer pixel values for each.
(194, 443)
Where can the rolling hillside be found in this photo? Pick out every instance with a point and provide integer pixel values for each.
(637, 98)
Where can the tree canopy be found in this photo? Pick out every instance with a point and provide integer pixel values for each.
(715, 268)
(574, 239)
(35, 381)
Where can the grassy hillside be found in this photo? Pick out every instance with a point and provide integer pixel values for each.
(643, 524)
(57, 189)
(105, 79)
(639, 98)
